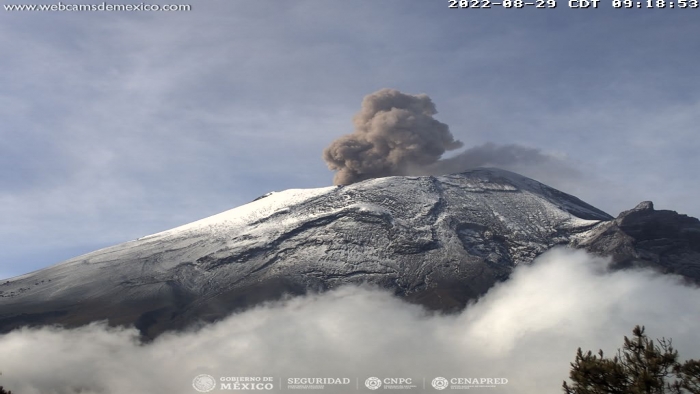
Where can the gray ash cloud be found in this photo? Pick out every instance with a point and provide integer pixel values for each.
(396, 134)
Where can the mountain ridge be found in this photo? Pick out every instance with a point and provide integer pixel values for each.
(437, 241)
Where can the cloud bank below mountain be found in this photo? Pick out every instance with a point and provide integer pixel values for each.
(526, 330)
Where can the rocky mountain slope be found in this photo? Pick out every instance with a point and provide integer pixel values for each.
(663, 240)
(437, 241)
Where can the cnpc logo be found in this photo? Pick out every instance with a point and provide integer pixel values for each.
(374, 383)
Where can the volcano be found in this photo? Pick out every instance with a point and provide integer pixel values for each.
(436, 241)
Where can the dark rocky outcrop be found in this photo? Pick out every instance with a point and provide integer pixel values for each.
(664, 240)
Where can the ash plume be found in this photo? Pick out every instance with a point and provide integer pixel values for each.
(394, 132)
(532, 162)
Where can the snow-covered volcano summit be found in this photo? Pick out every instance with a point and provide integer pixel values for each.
(438, 241)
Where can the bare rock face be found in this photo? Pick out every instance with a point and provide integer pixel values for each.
(664, 240)
(436, 241)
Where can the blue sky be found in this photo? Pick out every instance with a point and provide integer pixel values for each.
(117, 125)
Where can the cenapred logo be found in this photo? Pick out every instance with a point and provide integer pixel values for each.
(373, 383)
(204, 383)
(440, 383)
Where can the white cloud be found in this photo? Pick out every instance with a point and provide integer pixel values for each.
(526, 330)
